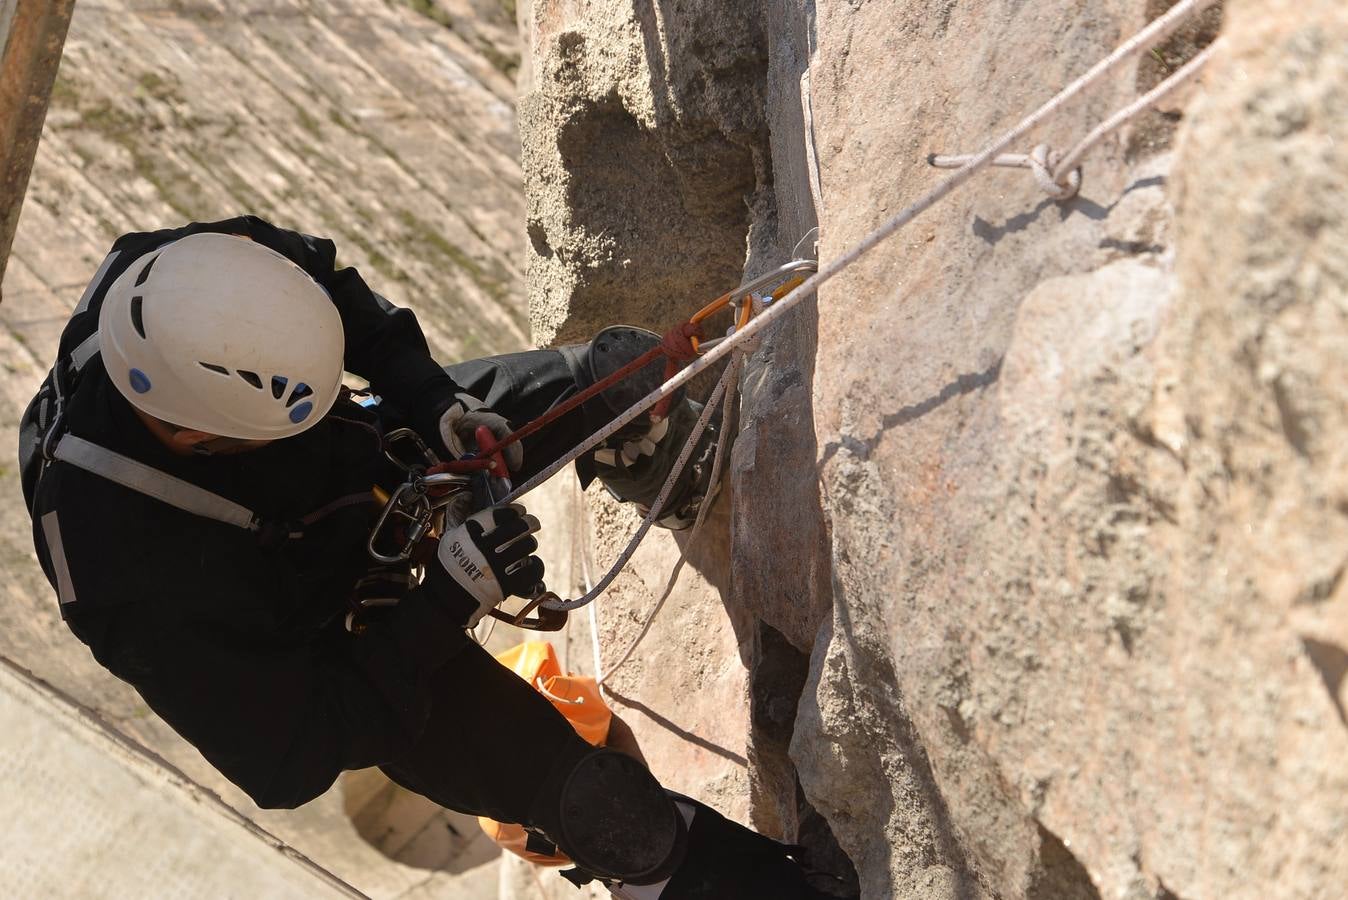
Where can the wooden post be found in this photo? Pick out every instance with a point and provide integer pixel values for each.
(32, 33)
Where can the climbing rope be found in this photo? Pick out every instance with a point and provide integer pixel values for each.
(680, 345)
(720, 393)
(1155, 32)
(727, 421)
(726, 391)
(1060, 177)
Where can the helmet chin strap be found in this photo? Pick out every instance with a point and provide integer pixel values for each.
(219, 445)
(211, 445)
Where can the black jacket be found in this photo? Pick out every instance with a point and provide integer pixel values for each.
(241, 648)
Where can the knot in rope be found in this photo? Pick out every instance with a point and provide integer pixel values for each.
(1042, 163)
(677, 344)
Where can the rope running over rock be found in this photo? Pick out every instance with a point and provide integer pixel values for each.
(727, 421)
(721, 393)
(1157, 31)
(1060, 177)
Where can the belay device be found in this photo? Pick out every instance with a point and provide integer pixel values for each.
(414, 516)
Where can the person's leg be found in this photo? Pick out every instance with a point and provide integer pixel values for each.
(494, 746)
(488, 742)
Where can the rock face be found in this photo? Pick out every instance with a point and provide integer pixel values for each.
(1063, 614)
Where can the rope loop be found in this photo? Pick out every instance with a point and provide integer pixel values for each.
(1043, 162)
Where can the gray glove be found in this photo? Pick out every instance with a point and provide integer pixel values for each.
(459, 425)
(487, 559)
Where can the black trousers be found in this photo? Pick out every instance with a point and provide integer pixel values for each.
(494, 746)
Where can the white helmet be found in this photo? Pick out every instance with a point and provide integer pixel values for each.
(217, 333)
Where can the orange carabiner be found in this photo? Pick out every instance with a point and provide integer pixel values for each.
(710, 309)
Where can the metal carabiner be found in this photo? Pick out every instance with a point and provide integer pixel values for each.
(546, 620)
(407, 434)
(411, 504)
(418, 503)
(743, 295)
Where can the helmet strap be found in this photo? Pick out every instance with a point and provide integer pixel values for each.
(219, 445)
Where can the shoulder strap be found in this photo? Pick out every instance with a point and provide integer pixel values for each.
(150, 481)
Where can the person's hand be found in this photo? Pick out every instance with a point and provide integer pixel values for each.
(459, 425)
(487, 559)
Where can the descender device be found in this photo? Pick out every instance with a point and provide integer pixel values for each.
(414, 516)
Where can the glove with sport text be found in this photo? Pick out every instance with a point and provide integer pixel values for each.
(487, 559)
(460, 423)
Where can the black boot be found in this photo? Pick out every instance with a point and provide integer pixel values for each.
(726, 861)
(635, 462)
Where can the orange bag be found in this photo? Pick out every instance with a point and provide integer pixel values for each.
(575, 696)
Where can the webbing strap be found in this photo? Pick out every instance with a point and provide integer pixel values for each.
(85, 351)
(361, 499)
(96, 282)
(153, 483)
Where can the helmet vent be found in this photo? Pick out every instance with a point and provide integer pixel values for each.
(251, 378)
(145, 272)
(219, 370)
(138, 315)
(278, 386)
(302, 390)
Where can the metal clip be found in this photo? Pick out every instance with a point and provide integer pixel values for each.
(416, 504)
(409, 504)
(408, 435)
(546, 620)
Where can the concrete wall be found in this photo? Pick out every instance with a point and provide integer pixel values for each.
(88, 814)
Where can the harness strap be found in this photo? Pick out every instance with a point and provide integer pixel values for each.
(85, 351)
(153, 483)
(96, 282)
(361, 499)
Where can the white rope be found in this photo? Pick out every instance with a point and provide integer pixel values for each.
(594, 645)
(587, 584)
(727, 422)
(1180, 76)
(1041, 161)
(1060, 177)
(656, 509)
(1152, 34)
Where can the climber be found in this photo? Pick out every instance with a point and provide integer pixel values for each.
(200, 487)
